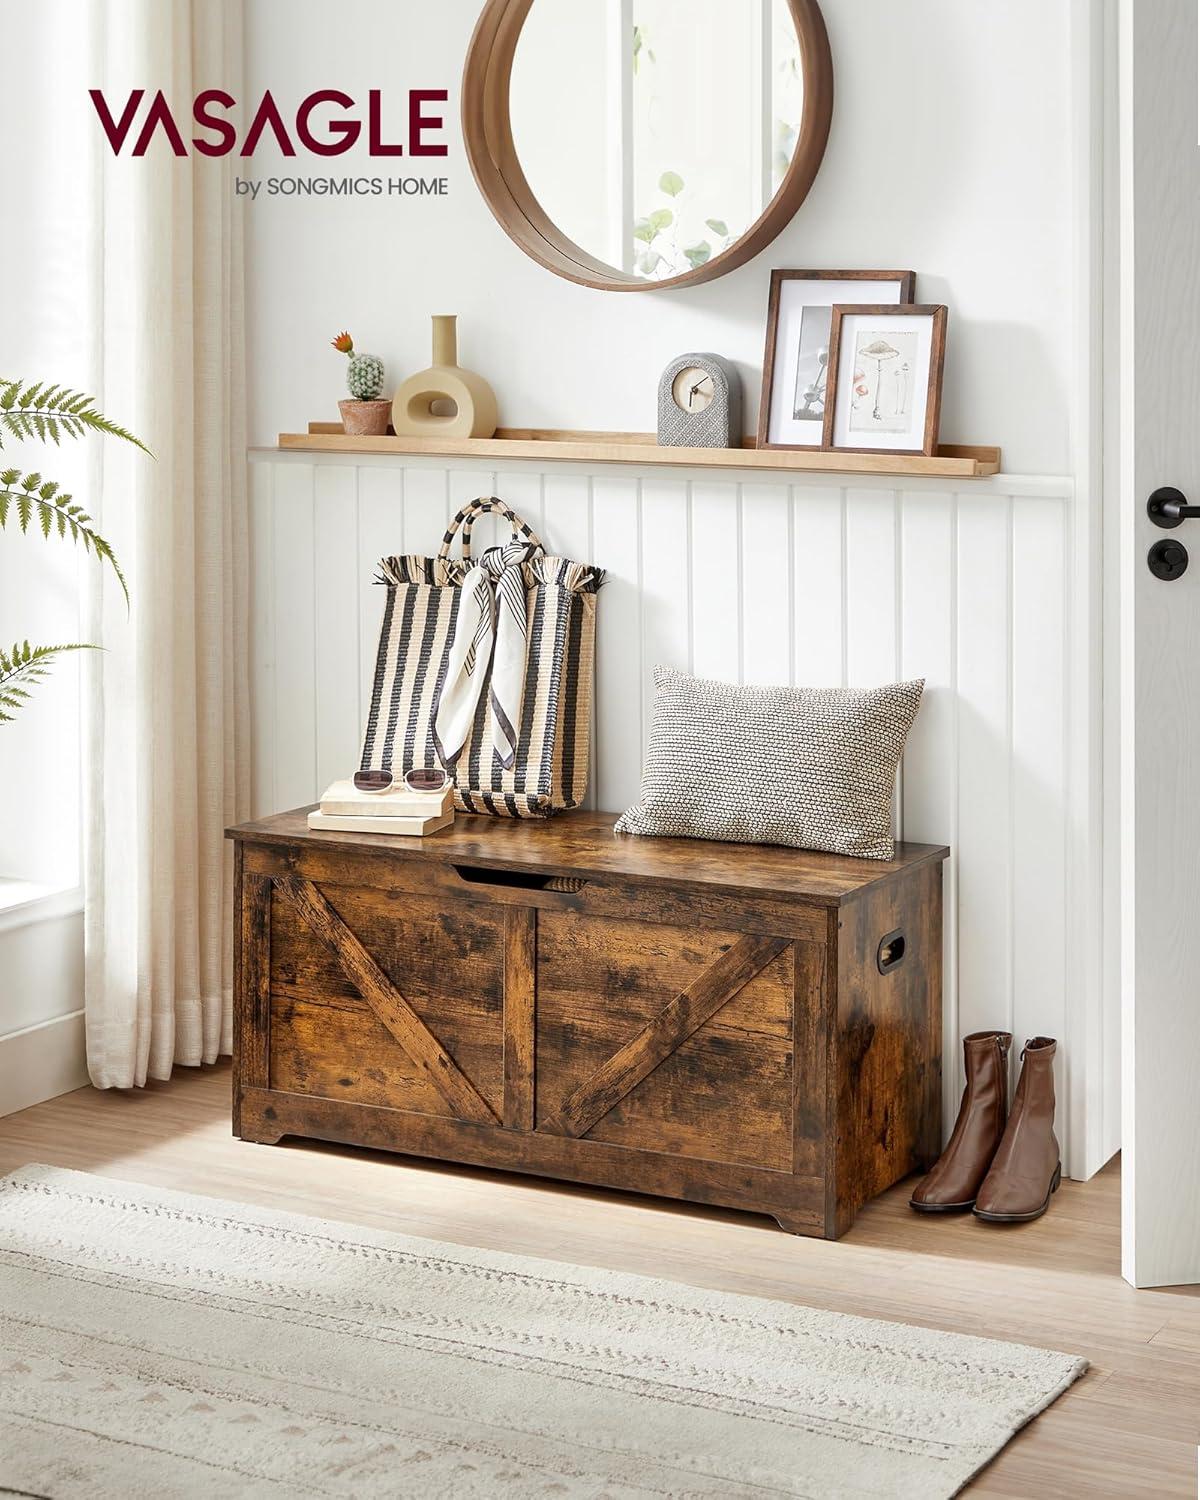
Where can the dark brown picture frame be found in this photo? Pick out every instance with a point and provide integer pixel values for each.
(908, 291)
(937, 358)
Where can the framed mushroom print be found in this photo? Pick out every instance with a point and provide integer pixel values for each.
(885, 379)
(791, 413)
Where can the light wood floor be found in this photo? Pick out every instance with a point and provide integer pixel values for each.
(1129, 1428)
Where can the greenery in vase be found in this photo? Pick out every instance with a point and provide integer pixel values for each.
(364, 376)
(639, 45)
(657, 252)
(44, 412)
(786, 132)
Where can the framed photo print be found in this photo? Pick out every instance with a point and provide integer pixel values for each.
(796, 363)
(885, 379)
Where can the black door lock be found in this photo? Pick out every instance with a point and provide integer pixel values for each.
(1169, 560)
(1168, 507)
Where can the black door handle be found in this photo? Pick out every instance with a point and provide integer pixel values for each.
(1168, 507)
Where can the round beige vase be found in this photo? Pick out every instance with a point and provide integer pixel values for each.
(445, 401)
(365, 418)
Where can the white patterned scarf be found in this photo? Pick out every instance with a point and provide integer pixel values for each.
(490, 631)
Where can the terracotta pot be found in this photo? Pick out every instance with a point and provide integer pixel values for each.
(365, 418)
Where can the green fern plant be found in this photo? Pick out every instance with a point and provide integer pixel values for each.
(42, 412)
(34, 496)
(21, 669)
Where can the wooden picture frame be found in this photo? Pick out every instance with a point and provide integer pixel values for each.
(783, 369)
(926, 382)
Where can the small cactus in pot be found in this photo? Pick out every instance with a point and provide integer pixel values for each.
(364, 414)
(364, 376)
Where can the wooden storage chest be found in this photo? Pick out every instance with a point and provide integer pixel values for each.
(752, 1027)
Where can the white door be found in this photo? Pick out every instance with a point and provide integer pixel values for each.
(1159, 381)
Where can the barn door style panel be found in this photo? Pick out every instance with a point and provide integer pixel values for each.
(693, 1008)
(387, 999)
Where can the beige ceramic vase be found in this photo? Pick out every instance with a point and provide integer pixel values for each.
(443, 383)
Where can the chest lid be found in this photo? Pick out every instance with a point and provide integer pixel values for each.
(583, 845)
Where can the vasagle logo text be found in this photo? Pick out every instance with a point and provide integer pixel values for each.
(326, 123)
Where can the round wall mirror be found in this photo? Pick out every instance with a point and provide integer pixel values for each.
(634, 144)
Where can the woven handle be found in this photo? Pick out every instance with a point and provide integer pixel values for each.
(467, 517)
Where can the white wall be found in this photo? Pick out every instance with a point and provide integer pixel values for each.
(949, 155)
(41, 1014)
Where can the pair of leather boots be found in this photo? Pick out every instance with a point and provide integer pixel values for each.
(1004, 1164)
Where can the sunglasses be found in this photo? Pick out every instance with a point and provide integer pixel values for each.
(419, 779)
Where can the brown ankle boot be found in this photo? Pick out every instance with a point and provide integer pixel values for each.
(1026, 1169)
(952, 1184)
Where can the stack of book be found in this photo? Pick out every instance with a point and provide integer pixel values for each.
(344, 809)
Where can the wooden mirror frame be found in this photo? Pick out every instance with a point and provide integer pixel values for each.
(487, 131)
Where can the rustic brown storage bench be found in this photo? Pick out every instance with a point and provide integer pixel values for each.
(758, 1028)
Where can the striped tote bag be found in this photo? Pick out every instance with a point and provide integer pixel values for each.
(485, 667)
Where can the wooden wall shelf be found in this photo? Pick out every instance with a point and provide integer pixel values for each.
(558, 445)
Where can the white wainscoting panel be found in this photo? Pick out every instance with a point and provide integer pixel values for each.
(753, 580)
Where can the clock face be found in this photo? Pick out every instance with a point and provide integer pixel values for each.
(693, 389)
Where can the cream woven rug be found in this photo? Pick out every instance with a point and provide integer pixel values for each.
(159, 1344)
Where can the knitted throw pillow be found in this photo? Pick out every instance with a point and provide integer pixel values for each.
(814, 768)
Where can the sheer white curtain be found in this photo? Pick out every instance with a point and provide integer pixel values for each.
(166, 717)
